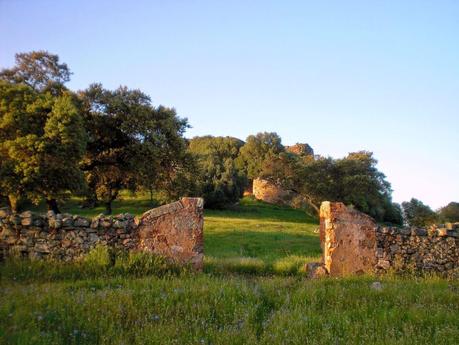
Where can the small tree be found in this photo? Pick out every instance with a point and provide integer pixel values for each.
(416, 213)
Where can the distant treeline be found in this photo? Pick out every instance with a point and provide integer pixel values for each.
(93, 143)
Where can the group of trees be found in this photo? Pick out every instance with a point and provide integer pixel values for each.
(96, 142)
(229, 165)
(416, 213)
(54, 142)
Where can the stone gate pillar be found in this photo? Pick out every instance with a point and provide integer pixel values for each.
(175, 231)
(348, 240)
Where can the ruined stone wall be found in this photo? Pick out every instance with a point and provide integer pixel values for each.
(174, 231)
(271, 193)
(354, 243)
(300, 149)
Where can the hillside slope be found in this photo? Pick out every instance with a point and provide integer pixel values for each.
(258, 237)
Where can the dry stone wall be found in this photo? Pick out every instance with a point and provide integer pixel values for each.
(353, 243)
(174, 231)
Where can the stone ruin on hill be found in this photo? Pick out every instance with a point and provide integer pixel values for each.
(353, 243)
(300, 149)
(272, 193)
(174, 231)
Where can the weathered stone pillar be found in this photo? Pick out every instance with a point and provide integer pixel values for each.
(175, 231)
(348, 240)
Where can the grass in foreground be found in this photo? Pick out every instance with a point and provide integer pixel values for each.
(207, 309)
(141, 300)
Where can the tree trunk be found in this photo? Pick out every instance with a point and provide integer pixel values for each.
(108, 207)
(311, 203)
(112, 196)
(52, 205)
(90, 201)
(317, 209)
(13, 203)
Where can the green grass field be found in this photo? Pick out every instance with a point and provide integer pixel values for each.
(252, 291)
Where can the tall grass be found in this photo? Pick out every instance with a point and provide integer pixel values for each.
(231, 309)
(99, 263)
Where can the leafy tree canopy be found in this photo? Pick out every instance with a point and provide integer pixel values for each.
(41, 141)
(220, 182)
(450, 213)
(131, 143)
(256, 150)
(38, 69)
(353, 180)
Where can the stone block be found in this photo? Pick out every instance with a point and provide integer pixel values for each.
(420, 232)
(67, 221)
(26, 214)
(174, 231)
(27, 221)
(442, 232)
(5, 212)
(41, 248)
(105, 222)
(81, 222)
(383, 264)
(348, 240)
(405, 231)
(315, 270)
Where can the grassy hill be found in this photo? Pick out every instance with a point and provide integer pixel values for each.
(257, 237)
(252, 292)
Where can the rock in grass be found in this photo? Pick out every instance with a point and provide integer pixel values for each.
(376, 286)
(315, 270)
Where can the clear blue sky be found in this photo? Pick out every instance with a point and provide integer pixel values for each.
(340, 75)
